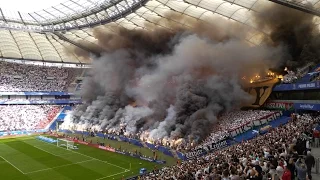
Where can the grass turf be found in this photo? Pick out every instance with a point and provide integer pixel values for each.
(28, 158)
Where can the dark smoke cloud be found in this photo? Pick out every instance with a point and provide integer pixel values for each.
(148, 42)
(292, 29)
(194, 78)
(158, 40)
(174, 83)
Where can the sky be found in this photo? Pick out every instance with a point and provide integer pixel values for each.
(28, 6)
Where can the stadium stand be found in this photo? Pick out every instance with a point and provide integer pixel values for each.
(221, 130)
(60, 117)
(289, 78)
(26, 117)
(310, 75)
(49, 117)
(20, 77)
(317, 78)
(303, 75)
(63, 113)
(236, 119)
(270, 156)
(233, 120)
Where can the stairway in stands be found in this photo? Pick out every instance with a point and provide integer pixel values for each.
(59, 117)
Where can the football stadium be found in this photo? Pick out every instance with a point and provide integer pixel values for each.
(160, 90)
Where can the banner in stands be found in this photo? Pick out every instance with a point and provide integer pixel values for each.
(260, 91)
(258, 122)
(208, 148)
(107, 148)
(307, 106)
(297, 86)
(39, 93)
(279, 105)
(54, 101)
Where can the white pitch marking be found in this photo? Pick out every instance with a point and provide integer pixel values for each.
(46, 169)
(91, 157)
(12, 164)
(113, 175)
(59, 155)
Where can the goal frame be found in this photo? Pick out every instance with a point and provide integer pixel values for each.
(68, 142)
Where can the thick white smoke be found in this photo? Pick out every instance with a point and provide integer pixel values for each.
(128, 117)
(162, 131)
(174, 94)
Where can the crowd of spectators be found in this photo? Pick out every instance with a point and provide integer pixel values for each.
(20, 77)
(26, 117)
(235, 119)
(289, 78)
(302, 71)
(315, 77)
(220, 130)
(281, 154)
(227, 122)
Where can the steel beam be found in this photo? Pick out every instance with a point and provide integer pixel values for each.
(297, 6)
(62, 37)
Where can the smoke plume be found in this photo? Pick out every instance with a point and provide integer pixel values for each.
(173, 83)
(293, 29)
(178, 86)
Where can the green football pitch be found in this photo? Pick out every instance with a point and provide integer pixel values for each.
(29, 158)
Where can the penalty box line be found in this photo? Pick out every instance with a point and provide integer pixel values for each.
(65, 165)
(45, 168)
(87, 156)
(113, 175)
(59, 155)
(12, 164)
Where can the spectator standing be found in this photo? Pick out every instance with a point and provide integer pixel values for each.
(301, 170)
(291, 167)
(316, 135)
(287, 174)
(310, 162)
(234, 175)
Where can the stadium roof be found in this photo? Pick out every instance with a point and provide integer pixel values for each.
(44, 35)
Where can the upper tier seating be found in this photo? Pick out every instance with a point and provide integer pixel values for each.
(20, 77)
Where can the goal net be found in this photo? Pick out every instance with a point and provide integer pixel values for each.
(65, 143)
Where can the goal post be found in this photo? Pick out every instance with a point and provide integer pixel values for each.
(65, 143)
